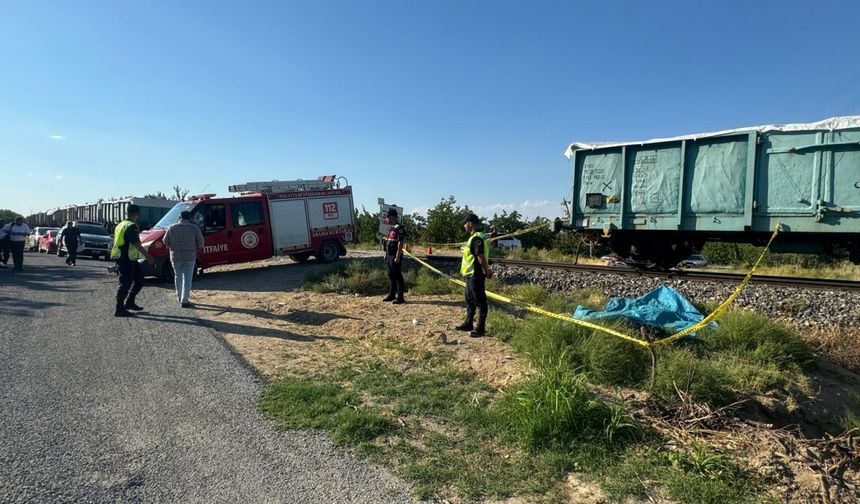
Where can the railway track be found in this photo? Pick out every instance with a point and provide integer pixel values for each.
(700, 276)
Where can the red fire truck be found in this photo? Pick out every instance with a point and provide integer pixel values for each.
(299, 218)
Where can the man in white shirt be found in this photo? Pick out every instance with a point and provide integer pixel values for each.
(18, 233)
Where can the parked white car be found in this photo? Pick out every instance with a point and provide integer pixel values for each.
(695, 261)
(509, 243)
(32, 242)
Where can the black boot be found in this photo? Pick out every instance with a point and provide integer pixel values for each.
(130, 305)
(389, 297)
(465, 326)
(399, 299)
(481, 329)
(121, 311)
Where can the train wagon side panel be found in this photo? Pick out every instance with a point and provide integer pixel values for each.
(809, 181)
(701, 185)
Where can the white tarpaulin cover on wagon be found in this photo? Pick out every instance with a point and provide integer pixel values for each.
(832, 124)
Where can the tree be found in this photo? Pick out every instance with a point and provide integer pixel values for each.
(507, 222)
(415, 226)
(8, 215)
(444, 222)
(367, 226)
(179, 192)
(159, 195)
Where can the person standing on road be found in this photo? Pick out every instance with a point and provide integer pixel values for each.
(126, 251)
(394, 243)
(4, 243)
(70, 236)
(477, 250)
(184, 239)
(18, 233)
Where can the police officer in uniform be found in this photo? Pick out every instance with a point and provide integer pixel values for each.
(126, 251)
(475, 268)
(394, 242)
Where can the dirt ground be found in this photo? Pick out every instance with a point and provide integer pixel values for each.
(281, 330)
(290, 331)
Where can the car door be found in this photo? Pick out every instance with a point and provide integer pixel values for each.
(211, 218)
(251, 240)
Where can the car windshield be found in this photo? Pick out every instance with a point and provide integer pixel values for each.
(172, 217)
(92, 229)
(53, 233)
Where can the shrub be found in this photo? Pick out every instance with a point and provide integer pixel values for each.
(542, 338)
(676, 366)
(755, 337)
(427, 282)
(612, 361)
(359, 277)
(553, 410)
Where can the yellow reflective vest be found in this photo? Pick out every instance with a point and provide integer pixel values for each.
(119, 242)
(467, 266)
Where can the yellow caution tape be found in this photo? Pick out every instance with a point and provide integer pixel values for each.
(494, 238)
(718, 312)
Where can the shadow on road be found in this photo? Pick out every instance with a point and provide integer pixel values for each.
(296, 316)
(230, 328)
(23, 308)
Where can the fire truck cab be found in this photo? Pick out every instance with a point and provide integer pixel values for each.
(299, 218)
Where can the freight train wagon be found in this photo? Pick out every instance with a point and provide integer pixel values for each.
(656, 201)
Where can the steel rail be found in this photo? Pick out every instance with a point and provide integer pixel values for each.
(699, 276)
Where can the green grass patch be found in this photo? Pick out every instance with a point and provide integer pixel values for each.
(554, 410)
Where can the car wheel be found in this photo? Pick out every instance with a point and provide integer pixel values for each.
(167, 272)
(328, 252)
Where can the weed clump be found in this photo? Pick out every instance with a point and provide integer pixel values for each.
(553, 410)
(759, 339)
(612, 361)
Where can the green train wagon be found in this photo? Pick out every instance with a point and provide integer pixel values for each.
(656, 201)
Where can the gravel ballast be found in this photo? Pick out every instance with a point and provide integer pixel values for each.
(797, 306)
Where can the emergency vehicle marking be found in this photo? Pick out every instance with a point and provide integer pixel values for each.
(250, 239)
(211, 249)
(330, 210)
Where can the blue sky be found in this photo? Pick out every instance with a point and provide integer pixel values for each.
(412, 101)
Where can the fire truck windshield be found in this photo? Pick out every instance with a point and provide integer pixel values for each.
(172, 217)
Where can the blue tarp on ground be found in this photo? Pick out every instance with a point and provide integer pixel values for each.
(663, 307)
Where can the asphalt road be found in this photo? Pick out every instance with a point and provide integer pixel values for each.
(150, 409)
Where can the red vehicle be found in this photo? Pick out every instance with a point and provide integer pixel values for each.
(300, 218)
(48, 242)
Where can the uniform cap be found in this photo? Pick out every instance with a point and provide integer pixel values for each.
(471, 218)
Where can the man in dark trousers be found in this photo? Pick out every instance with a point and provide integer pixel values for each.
(18, 233)
(394, 242)
(70, 236)
(475, 269)
(126, 251)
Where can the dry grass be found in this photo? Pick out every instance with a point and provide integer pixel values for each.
(841, 345)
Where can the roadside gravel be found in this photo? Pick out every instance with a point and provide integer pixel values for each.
(150, 409)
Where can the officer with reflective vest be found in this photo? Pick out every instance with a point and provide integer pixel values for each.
(395, 240)
(475, 268)
(126, 251)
